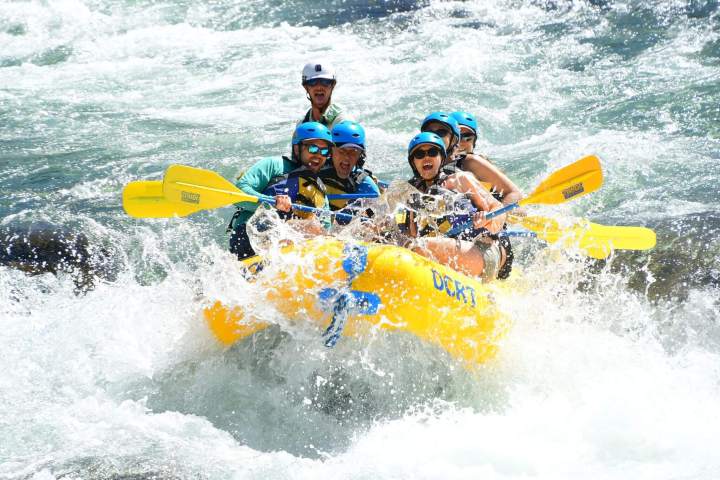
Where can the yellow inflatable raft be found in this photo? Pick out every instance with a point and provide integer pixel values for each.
(350, 289)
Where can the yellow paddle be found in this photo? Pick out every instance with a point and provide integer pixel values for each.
(577, 179)
(201, 189)
(144, 199)
(595, 239)
(186, 190)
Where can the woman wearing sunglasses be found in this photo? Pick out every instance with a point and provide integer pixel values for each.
(289, 180)
(471, 250)
(318, 79)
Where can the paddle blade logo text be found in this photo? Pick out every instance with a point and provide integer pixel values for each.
(573, 191)
(190, 197)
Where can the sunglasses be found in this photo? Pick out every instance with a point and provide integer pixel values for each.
(325, 82)
(312, 148)
(420, 154)
(467, 136)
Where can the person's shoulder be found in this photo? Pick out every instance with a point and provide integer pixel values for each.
(287, 164)
(271, 163)
(335, 114)
(477, 164)
(304, 118)
(335, 108)
(271, 159)
(477, 157)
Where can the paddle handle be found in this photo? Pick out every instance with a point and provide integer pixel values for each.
(304, 208)
(502, 210)
(503, 233)
(517, 233)
(350, 196)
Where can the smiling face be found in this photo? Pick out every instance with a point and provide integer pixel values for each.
(467, 139)
(344, 160)
(319, 92)
(311, 154)
(426, 158)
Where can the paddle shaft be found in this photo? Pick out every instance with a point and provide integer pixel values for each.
(350, 196)
(502, 210)
(304, 208)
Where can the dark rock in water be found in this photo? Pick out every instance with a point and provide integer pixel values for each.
(44, 248)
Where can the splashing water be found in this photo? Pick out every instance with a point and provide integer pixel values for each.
(611, 369)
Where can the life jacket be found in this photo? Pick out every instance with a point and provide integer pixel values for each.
(327, 118)
(454, 166)
(455, 224)
(336, 185)
(302, 186)
(440, 212)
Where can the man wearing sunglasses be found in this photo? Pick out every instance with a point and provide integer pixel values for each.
(346, 173)
(318, 79)
(289, 180)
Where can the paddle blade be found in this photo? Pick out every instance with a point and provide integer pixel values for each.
(201, 189)
(575, 180)
(144, 199)
(595, 239)
(621, 237)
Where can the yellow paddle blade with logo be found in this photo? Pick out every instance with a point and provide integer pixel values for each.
(201, 189)
(577, 179)
(598, 241)
(144, 199)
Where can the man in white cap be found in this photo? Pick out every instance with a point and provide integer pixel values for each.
(318, 79)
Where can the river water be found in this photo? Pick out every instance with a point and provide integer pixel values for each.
(611, 369)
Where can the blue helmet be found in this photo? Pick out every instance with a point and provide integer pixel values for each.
(429, 138)
(311, 131)
(446, 119)
(350, 132)
(466, 120)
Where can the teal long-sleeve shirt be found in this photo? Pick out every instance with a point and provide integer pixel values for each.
(257, 178)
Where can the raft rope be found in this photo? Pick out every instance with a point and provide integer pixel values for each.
(345, 303)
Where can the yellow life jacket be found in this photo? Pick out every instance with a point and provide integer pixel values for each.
(336, 185)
